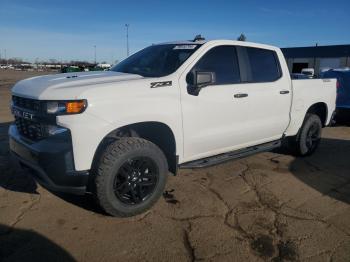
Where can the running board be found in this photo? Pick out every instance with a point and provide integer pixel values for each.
(218, 159)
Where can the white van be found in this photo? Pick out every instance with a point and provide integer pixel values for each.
(310, 72)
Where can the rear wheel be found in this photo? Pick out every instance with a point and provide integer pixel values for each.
(131, 176)
(309, 137)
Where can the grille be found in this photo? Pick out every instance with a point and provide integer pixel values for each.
(27, 103)
(29, 129)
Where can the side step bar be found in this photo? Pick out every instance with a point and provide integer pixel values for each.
(218, 159)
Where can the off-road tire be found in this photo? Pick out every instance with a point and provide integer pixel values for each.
(111, 160)
(300, 144)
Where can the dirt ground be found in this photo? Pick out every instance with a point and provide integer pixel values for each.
(268, 207)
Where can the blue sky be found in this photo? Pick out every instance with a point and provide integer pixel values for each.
(68, 30)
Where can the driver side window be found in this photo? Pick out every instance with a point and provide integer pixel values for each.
(222, 60)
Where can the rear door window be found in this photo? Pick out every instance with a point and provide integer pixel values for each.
(262, 65)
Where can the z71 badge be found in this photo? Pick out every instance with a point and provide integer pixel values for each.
(161, 84)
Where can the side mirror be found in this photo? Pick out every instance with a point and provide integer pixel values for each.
(196, 80)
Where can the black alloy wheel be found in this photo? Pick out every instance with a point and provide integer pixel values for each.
(130, 177)
(136, 180)
(309, 137)
(313, 137)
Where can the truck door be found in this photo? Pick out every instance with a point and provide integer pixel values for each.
(242, 108)
(270, 93)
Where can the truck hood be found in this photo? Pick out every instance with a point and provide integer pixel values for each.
(68, 85)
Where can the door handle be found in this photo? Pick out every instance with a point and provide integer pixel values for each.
(240, 95)
(284, 92)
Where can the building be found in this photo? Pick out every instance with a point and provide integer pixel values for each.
(318, 57)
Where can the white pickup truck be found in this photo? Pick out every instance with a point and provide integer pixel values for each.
(188, 104)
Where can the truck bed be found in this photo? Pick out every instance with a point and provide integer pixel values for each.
(308, 92)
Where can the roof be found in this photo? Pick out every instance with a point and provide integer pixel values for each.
(317, 51)
(221, 41)
(184, 42)
(346, 69)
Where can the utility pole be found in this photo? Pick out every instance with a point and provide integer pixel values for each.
(315, 60)
(36, 63)
(127, 39)
(6, 58)
(95, 53)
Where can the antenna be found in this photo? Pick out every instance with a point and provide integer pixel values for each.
(198, 38)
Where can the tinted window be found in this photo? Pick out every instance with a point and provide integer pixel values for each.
(221, 60)
(263, 65)
(156, 60)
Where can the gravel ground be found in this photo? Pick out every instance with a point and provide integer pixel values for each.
(268, 207)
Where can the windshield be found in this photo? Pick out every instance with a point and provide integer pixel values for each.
(156, 60)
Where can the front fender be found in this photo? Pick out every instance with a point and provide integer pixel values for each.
(88, 131)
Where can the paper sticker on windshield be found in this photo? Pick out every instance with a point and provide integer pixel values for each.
(185, 47)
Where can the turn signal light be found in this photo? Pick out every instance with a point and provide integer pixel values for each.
(75, 107)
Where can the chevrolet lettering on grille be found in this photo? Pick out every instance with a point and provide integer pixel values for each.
(19, 113)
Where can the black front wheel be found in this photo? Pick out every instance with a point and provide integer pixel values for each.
(130, 177)
(136, 180)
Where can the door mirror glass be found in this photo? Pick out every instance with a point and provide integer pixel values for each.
(196, 80)
(204, 78)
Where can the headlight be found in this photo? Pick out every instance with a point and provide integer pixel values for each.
(55, 107)
(66, 107)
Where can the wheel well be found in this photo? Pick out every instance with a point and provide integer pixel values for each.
(156, 132)
(321, 110)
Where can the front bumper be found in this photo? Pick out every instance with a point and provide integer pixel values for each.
(51, 161)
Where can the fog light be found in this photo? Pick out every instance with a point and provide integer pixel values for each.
(54, 130)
